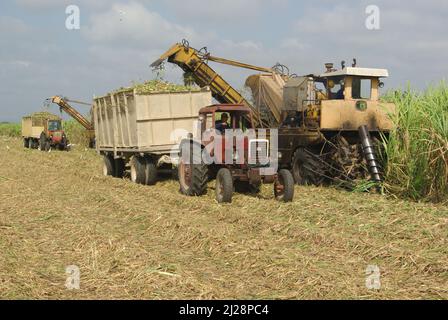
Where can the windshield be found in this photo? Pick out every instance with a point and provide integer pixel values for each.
(54, 125)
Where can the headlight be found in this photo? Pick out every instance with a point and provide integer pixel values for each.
(280, 155)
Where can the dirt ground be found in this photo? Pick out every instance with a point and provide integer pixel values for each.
(131, 241)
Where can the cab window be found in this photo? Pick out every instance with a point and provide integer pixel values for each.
(54, 125)
(362, 88)
(336, 88)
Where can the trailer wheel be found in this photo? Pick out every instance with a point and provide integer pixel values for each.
(224, 186)
(119, 168)
(26, 142)
(33, 144)
(150, 173)
(284, 186)
(193, 176)
(108, 166)
(138, 174)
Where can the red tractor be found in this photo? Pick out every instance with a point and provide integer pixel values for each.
(229, 148)
(44, 131)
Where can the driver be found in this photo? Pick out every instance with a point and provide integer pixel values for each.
(223, 125)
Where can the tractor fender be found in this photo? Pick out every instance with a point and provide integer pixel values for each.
(190, 145)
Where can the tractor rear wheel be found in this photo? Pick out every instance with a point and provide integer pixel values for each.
(138, 174)
(42, 142)
(284, 186)
(150, 173)
(224, 186)
(193, 176)
(108, 166)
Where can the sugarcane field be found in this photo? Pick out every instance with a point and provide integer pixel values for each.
(245, 151)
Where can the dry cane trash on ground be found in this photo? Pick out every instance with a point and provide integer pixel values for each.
(133, 241)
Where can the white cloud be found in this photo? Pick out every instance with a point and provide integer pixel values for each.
(41, 5)
(222, 10)
(293, 44)
(134, 25)
(12, 26)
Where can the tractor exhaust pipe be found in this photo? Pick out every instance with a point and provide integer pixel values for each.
(369, 153)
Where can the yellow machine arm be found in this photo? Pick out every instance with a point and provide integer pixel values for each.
(64, 105)
(194, 61)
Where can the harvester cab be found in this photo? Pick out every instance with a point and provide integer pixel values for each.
(337, 100)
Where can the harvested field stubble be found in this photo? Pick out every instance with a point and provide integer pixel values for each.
(132, 241)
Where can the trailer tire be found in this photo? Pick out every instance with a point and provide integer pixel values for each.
(284, 186)
(26, 142)
(34, 144)
(138, 174)
(119, 167)
(224, 186)
(150, 173)
(108, 166)
(193, 177)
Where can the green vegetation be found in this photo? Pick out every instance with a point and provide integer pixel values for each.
(157, 86)
(417, 150)
(76, 133)
(10, 129)
(44, 115)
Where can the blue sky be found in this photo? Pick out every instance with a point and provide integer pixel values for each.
(118, 40)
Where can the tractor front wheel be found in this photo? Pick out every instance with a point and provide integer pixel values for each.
(284, 186)
(224, 186)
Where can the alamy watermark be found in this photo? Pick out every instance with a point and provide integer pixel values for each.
(373, 20)
(256, 147)
(373, 279)
(73, 279)
(73, 20)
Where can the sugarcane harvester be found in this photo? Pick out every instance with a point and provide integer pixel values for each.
(329, 124)
(64, 105)
(333, 125)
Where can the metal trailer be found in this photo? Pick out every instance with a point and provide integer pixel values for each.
(140, 132)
